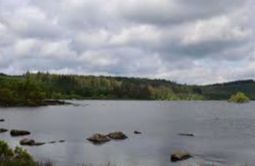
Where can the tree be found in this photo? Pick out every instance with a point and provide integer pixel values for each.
(239, 97)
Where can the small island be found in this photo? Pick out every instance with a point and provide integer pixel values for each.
(239, 98)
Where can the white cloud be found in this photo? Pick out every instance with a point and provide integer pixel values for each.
(24, 47)
(136, 34)
(193, 41)
(98, 59)
(219, 29)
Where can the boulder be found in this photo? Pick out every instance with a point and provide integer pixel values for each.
(30, 142)
(137, 132)
(187, 134)
(98, 139)
(2, 120)
(61, 141)
(2, 130)
(117, 135)
(27, 141)
(16, 133)
(180, 155)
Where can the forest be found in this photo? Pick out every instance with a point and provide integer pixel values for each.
(32, 89)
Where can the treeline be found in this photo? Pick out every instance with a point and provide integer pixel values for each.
(20, 91)
(101, 87)
(34, 88)
(225, 90)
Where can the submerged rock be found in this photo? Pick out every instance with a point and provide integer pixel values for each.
(117, 135)
(38, 143)
(187, 134)
(61, 141)
(180, 155)
(137, 132)
(98, 139)
(52, 142)
(16, 133)
(2, 120)
(2, 130)
(55, 102)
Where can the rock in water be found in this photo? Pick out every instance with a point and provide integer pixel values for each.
(187, 134)
(2, 120)
(16, 133)
(179, 156)
(30, 142)
(2, 130)
(27, 141)
(98, 139)
(137, 132)
(55, 102)
(117, 135)
(38, 143)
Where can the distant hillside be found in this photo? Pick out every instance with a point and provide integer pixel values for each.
(224, 90)
(32, 89)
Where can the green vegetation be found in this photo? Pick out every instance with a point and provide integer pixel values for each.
(31, 89)
(16, 157)
(239, 98)
(225, 90)
(20, 91)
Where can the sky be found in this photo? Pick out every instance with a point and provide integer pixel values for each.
(188, 41)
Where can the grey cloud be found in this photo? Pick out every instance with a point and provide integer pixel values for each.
(176, 11)
(155, 38)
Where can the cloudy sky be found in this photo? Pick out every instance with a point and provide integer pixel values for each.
(188, 41)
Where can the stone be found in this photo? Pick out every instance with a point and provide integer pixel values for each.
(180, 155)
(16, 133)
(98, 139)
(137, 132)
(52, 142)
(118, 135)
(2, 130)
(30, 142)
(187, 134)
(27, 141)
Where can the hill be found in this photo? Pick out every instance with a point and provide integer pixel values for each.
(33, 89)
(225, 90)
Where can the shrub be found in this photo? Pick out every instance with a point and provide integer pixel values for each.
(16, 157)
(239, 97)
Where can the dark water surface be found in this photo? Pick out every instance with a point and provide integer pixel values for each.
(224, 132)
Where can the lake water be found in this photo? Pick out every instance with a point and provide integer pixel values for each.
(224, 132)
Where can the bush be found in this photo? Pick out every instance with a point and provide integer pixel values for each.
(16, 157)
(239, 98)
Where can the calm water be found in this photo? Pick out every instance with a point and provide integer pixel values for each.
(224, 133)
